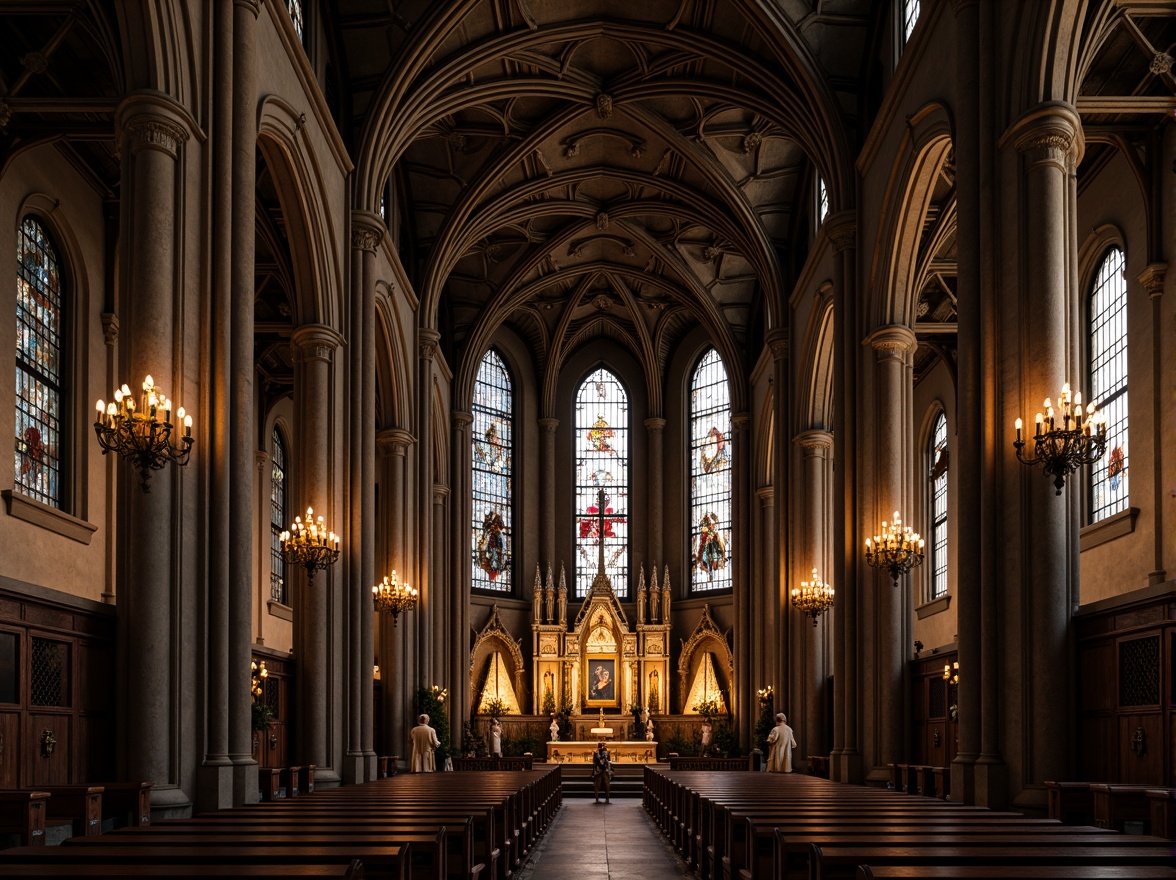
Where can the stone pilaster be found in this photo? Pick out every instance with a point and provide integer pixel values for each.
(547, 428)
(461, 515)
(742, 690)
(427, 602)
(817, 448)
(654, 432)
(780, 668)
(393, 445)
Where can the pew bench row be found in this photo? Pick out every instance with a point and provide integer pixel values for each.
(86, 809)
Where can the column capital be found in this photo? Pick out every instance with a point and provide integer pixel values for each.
(740, 421)
(814, 441)
(146, 131)
(548, 426)
(427, 341)
(109, 328)
(261, 459)
(766, 495)
(252, 6)
(461, 420)
(841, 229)
(959, 6)
(1049, 134)
(316, 342)
(655, 424)
(1152, 279)
(365, 238)
(440, 493)
(777, 340)
(893, 341)
(393, 441)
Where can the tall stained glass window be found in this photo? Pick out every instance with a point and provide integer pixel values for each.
(39, 365)
(910, 16)
(710, 476)
(1108, 383)
(278, 518)
(938, 462)
(602, 462)
(493, 449)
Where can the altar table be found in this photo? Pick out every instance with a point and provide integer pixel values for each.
(638, 752)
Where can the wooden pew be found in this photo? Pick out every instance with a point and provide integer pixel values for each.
(1070, 802)
(81, 805)
(23, 813)
(691, 763)
(1117, 804)
(269, 781)
(353, 871)
(290, 778)
(1162, 802)
(1016, 872)
(126, 803)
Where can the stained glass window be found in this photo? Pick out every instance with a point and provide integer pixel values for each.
(710, 476)
(910, 15)
(278, 518)
(39, 365)
(938, 462)
(1108, 384)
(822, 201)
(493, 449)
(295, 9)
(602, 462)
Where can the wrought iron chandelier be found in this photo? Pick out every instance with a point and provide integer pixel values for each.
(1062, 450)
(951, 672)
(309, 544)
(897, 550)
(142, 433)
(813, 597)
(392, 597)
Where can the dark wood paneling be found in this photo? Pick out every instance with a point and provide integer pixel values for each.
(1096, 678)
(52, 769)
(10, 754)
(1097, 760)
(1141, 766)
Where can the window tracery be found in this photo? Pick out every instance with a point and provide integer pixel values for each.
(710, 476)
(602, 462)
(278, 518)
(492, 462)
(1108, 383)
(938, 460)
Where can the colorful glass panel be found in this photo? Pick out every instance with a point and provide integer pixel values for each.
(1108, 384)
(294, 7)
(278, 518)
(710, 476)
(938, 476)
(493, 438)
(602, 462)
(39, 336)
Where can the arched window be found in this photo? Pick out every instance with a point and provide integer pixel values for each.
(910, 16)
(1108, 383)
(278, 519)
(710, 476)
(39, 366)
(822, 201)
(493, 452)
(295, 9)
(602, 462)
(937, 460)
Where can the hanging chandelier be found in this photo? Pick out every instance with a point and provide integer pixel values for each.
(897, 550)
(813, 597)
(1062, 450)
(951, 672)
(391, 597)
(142, 433)
(309, 544)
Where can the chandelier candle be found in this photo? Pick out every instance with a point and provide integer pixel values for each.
(142, 434)
(309, 544)
(1062, 450)
(897, 549)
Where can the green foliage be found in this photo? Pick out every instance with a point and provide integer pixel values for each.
(764, 725)
(495, 708)
(431, 702)
(708, 709)
(472, 746)
(725, 744)
(565, 723)
(517, 746)
(548, 701)
(262, 715)
(676, 743)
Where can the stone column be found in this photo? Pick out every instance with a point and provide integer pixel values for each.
(655, 431)
(846, 764)
(461, 515)
(773, 591)
(427, 602)
(242, 433)
(1050, 141)
(110, 509)
(152, 139)
(1152, 282)
(767, 672)
(442, 612)
(395, 686)
(314, 407)
(817, 447)
(742, 688)
(893, 347)
(548, 428)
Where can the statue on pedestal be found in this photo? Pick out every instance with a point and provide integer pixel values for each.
(554, 729)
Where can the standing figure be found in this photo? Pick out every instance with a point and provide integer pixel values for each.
(781, 742)
(496, 738)
(649, 730)
(424, 741)
(601, 772)
(554, 730)
(707, 733)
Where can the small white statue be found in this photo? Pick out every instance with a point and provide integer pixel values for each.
(554, 730)
(649, 731)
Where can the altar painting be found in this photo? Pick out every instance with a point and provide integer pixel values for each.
(601, 681)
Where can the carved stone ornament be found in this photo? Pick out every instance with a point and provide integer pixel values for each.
(1161, 63)
(604, 105)
(315, 343)
(602, 221)
(109, 328)
(5, 114)
(602, 302)
(751, 140)
(893, 342)
(155, 133)
(365, 238)
(778, 342)
(427, 341)
(35, 62)
(842, 236)
(548, 426)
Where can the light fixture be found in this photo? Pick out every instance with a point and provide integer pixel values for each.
(951, 672)
(813, 597)
(309, 544)
(897, 549)
(257, 677)
(142, 433)
(764, 694)
(392, 597)
(1061, 451)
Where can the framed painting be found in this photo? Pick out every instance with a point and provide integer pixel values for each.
(600, 681)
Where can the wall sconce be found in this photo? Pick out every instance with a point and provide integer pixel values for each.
(142, 433)
(392, 597)
(765, 695)
(813, 597)
(897, 550)
(309, 544)
(951, 673)
(1061, 451)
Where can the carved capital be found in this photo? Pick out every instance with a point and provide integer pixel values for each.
(655, 425)
(740, 421)
(440, 493)
(841, 229)
(766, 495)
(1049, 135)
(261, 459)
(364, 238)
(427, 341)
(777, 341)
(251, 6)
(814, 442)
(895, 341)
(1152, 279)
(461, 421)
(393, 441)
(548, 426)
(109, 328)
(154, 133)
(315, 342)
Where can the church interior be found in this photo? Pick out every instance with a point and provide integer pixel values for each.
(595, 366)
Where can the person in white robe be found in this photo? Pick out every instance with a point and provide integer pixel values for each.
(781, 742)
(424, 742)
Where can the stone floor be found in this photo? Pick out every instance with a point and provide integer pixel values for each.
(590, 841)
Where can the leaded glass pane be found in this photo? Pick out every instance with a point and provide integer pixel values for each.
(938, 476)
(38, 365)
(278, 518)
(602, 462)
(295, 9)
(822, 201)
(1108, 380)
(910, 15)
(492, 454)
(49, 673)
(710, 476)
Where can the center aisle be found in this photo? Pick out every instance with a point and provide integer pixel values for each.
(596, 841)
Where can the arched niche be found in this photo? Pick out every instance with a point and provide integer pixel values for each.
(707, 638)
(494, 638)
